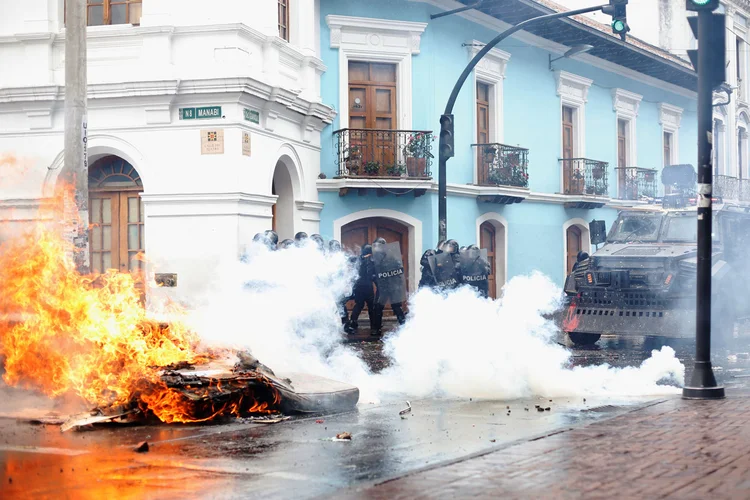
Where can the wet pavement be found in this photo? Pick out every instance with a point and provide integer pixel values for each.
(299, 458)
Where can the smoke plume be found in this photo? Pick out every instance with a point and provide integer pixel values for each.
(283, 306)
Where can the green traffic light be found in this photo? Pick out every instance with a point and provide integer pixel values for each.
(619, 26)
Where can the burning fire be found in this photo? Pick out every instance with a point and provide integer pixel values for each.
(61, 332)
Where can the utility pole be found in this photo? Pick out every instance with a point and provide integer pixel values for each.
(615, 8)
(708, 60)
(76, 169)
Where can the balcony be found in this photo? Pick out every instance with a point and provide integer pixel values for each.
(383, 154)
(505, 168)
(731, 188)
(635, 183)
(585, 179)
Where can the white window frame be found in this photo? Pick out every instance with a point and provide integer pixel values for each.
(741, 142)
(719, 151)
(740, 30)
(670, 118)
(377, 41)
(573, 91)
(490, 71)
(626, 104)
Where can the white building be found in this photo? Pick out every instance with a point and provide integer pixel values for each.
(664, 23)
(211, 116)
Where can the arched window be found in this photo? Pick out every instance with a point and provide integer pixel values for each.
(116, 213)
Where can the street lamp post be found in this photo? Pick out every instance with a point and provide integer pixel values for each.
(708, 60)
(616, 8)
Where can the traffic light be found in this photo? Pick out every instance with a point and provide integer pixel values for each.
(715, 43)
(446, 135)
(617, 9)
(696, 5)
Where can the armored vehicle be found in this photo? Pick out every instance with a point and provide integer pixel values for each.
(642, 282)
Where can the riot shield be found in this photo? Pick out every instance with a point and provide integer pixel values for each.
(475, 269)
(389, 273)
(444, 270)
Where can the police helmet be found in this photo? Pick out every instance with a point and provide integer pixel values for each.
(366, 250)
(258, 238)
(334, 246)
(272, 237)
(424, 262)
(301, 236)
(451, 247)
(286, 243)
(379, 241)
(318, 239)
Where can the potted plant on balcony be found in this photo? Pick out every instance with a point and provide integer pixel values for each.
(353, 160)
(597, 172)
(417, 151)
(372, 168)
(396, 170)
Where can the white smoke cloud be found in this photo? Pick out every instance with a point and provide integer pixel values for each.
(461, 345)
(283, 306)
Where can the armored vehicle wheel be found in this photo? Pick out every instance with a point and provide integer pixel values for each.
(579, 338)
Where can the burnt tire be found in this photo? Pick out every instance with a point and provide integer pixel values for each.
(579, 338)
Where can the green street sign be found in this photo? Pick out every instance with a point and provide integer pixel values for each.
(251, 116)
(200, 113)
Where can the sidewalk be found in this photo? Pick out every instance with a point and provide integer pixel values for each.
(670, 449)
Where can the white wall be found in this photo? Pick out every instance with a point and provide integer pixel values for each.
(199, 208)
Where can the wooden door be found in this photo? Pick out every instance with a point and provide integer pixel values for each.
(487, 240)
(372, 108)
(117, 235)
(574, 245)
(483, 130)
(363, 232)
(569, 183)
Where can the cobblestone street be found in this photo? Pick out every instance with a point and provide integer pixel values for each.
(669, 449)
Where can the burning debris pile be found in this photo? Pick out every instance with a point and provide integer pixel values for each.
(64, 333)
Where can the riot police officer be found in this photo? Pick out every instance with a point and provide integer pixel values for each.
(286, 244)
(363, 292)
(300, 237)
(427, 279)
(397, 307)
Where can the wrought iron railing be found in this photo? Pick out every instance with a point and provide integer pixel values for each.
(635, 183)
(383, 153)
(731, 188)
(584, 176)
(502, 165)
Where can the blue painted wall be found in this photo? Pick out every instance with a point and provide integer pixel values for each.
(531, 120)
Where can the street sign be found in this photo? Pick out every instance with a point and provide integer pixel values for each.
(200, 113)
(251, 115)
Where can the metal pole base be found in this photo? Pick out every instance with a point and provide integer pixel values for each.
(703, 383)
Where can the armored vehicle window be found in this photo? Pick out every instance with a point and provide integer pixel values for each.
(635, 227)
(685, 228)
(682, 228)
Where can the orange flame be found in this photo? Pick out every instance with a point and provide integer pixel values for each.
(61, 332)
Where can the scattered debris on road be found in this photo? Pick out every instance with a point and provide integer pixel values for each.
(406, 410)
(344, 436)
(143, 447)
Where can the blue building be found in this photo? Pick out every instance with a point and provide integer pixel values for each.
(542, 147)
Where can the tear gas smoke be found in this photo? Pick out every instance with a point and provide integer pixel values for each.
(459, 344)
(283, 306)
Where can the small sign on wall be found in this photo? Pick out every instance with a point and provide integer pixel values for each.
(251, 115)
(246, 143)
(212, 141)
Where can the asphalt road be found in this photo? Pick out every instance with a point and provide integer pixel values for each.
(299, 458)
